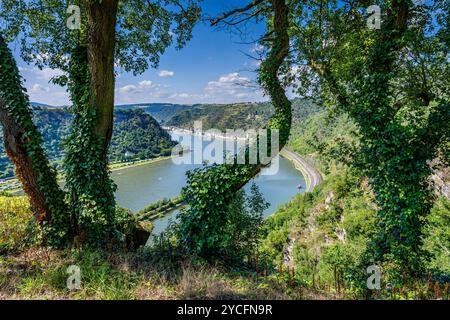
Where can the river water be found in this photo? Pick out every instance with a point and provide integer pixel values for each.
(142, 185)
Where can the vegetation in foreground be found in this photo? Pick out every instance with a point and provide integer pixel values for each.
(42, 274)
(312, 247)
(158, 272)
(392, 83)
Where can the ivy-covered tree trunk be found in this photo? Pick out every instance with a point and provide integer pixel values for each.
(395, 156)
(101, 43)
(23, 144)
(268, 73)
(364, 73)
(399, 183)
(91, 87)
(91, 190)
(210, 190)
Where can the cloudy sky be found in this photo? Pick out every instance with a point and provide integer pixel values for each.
(215, 67)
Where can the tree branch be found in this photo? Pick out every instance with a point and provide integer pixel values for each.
(228, 14)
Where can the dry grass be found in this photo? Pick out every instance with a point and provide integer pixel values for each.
(41, 274)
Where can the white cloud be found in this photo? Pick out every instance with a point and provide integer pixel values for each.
(146, 84)
(166, 73)
(188, 97)
(229, 82)
(47, 73)
(144, 91)
(52, 95)
(139, 88)
(257, 48)
(228, 88)
(37, 88)
(128, 89)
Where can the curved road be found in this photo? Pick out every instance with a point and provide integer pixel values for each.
(312, 175)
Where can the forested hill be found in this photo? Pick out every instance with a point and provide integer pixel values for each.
(136, 136)
(237, 116)
(162, 112)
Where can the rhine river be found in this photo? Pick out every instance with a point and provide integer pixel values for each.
(142, 185)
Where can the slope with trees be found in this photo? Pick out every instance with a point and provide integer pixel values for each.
(136, 136)
(237, 116)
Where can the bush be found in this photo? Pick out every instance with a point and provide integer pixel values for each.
(15, 221)
(229, 240)
(437, 239)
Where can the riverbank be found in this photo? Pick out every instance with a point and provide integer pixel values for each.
(125, 165)
(209, 135)
(159, 209)
(312, 176)
(14, 183)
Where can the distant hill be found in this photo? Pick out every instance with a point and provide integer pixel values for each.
(162, 112)
(139, 136)
(136, 136)
(43, 105)
(238, 115)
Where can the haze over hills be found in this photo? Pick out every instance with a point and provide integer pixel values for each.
(38, 104)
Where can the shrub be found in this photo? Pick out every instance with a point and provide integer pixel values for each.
(437, 239)
(229, 240)
(15, 221)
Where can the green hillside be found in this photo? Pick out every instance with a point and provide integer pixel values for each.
(136, 136)
(325, 235)
(162, 112)
(237, 116)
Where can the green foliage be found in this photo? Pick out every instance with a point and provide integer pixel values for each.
(331, 139)
(55, 222)
(242, 234)
(126, 276)
(136, 136)
(437, 239)
(236, 116)
(158, 208)
(328, 231)
(15, 220)
(233, 235)
(394, 84)
(142, 33)
(211, 190)
(144, 30)
(208, 196)
(231, 116)
(90, 189)
(162, 112)
(100, 278)
(125, 222)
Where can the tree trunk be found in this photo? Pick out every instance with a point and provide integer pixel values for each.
(101, 48)
(268, 76)
(15, 139)
(23, 144)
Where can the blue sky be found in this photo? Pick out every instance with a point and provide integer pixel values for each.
(212, 68)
